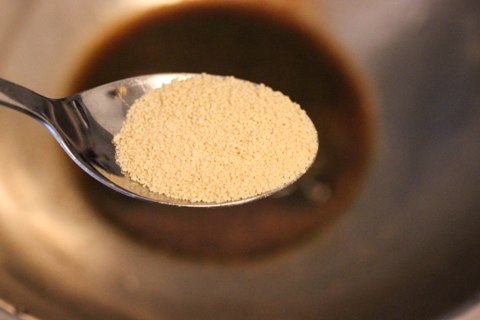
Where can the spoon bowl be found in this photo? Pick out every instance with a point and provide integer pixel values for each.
(84, 125)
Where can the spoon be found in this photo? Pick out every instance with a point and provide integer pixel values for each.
(84, 125)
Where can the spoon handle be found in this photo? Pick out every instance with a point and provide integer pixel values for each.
(24, 100)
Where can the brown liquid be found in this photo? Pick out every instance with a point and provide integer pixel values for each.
(258, 45)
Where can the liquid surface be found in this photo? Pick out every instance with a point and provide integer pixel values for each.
(263, 46)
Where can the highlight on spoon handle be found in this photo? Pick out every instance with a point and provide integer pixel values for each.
(24, 100)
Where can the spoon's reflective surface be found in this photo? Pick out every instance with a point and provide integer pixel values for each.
(85, 123)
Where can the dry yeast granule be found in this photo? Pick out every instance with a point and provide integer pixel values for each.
(215, 139)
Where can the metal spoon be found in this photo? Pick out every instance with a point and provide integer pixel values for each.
(85, 123)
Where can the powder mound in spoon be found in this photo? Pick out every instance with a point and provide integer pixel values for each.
(215, 139)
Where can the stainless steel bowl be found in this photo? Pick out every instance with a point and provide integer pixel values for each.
(407, 248)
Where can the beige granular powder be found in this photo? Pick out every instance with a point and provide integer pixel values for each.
(215, 139)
